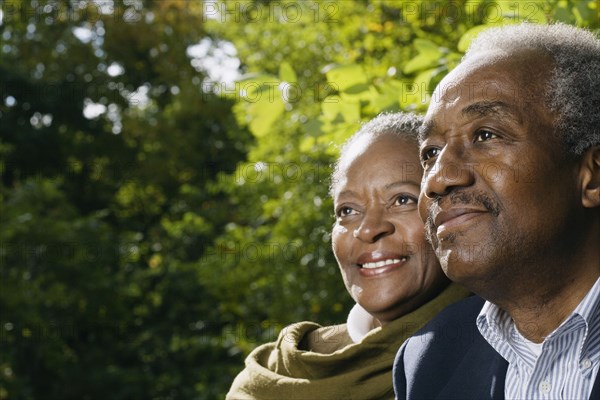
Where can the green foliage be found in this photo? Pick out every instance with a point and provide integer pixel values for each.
(106, 216)
(156, 228)
(377, 56)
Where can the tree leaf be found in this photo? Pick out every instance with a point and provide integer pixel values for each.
(287, 73)
(264, 113)
(338, 110)
(344, 77)
(468, 36)
(428, 56)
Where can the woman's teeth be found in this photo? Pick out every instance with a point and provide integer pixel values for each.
(384, 262)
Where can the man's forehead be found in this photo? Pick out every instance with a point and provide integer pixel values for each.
(482, 86)
(477, 109)
(484, 73)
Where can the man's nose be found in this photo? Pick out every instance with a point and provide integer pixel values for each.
(451, 169)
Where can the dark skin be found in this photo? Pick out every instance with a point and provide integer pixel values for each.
(377, 221)
(510, 216)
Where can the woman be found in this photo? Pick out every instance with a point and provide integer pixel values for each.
(387, 266)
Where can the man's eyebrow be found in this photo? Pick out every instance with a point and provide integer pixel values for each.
(487, 108)
(425, 130)
(475, 110)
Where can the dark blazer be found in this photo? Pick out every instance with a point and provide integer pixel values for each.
(449, 359)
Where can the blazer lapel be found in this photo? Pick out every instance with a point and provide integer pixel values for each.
(595, 395)
(480, 375)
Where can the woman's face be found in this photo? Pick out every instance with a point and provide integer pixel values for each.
(378, 237)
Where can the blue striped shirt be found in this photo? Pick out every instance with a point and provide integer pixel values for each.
(567, 365)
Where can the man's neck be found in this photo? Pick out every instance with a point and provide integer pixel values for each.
(545, 294)
(537, 316)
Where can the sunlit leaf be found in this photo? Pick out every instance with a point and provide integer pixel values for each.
(344, 77)
(428, 56)
(336, 110)
(467, 38)
(264, 113)
(417, 95)
(286, 73)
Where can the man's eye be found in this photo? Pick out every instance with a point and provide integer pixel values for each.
(345, 211)
(482, 136)
(429, 153)
(404, 200)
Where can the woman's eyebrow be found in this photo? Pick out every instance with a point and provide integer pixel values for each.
(346, 193)
(397, 184)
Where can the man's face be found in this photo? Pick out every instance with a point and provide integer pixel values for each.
(497, 195)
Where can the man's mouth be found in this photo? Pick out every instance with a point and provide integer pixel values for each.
(443, 223)
(454, 218)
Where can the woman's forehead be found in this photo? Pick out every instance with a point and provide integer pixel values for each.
(399, 146)
(387, 158)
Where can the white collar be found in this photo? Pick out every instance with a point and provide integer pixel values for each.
(359, 323)
(500, 321)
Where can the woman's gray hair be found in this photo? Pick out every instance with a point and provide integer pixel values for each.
(400, 124)
(573, 91)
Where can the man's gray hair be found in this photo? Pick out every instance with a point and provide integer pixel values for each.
(400, 124)
(573, 92)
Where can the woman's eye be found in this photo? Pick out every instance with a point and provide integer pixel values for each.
(345, 211)
(429, 153)
(404, 200)
(482, 136)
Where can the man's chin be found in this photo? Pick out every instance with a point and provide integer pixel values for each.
(444, 245)
(456, 273)
(451, 261)
(431, 236)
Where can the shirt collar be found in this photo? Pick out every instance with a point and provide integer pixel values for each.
(496, 326)
(588, 309)
(359, 323)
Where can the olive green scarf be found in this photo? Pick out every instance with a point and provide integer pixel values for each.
(340, 369)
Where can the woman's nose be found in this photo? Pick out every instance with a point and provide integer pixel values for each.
(374, 226)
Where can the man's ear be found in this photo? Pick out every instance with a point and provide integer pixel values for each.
(590, 177)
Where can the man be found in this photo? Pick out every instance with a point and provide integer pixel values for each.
(511, 201)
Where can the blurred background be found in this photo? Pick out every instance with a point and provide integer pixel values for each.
(165, 169)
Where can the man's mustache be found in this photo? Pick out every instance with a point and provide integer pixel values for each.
(474, 199)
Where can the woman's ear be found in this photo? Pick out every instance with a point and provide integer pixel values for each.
(590, 177)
